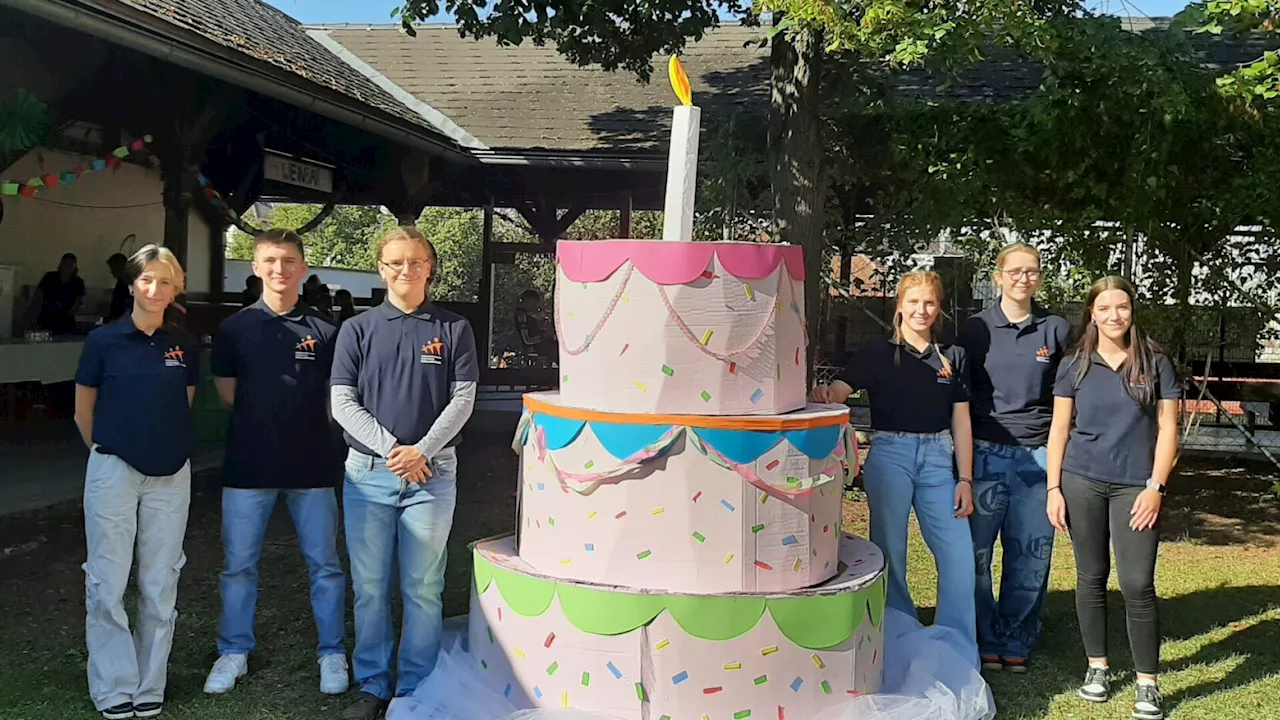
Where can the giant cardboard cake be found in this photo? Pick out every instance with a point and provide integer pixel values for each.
(679, 552)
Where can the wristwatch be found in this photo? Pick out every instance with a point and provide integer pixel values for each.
(1158, 487)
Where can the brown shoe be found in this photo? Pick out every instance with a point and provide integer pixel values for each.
(366, 707)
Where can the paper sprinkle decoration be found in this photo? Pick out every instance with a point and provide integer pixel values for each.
(620, 515)
(706, 336)
(586, 679)
(742, 715)
(757, 528)
(613, 669)
(643, 554)
(711, 690)
(763, 565)
(727, 505)
(728, 558)
(537, 692)
(553, 668)
(589, 464)
(661, 644)
(826, 687)
(733, 368)
(641, 385)
(564, 699)
(640, 692)
(733, 666)
(507, 691)
(591, 514)
(706, 396)
(789, 540)
(550, 639)
(817, 661)
(519, 653)
(658, 511)
(796, 684)
(796, 566)
(699, 536)
(755, 396)
(769, 650)
(589, 547)
(772, 464)
(624, 349)
(697, 495)
(761, 680)
(679, 677)
(751, 294)
(668, 371)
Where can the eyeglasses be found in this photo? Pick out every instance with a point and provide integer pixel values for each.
(1020, 274)
(399, 266)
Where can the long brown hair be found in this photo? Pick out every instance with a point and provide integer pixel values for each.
(911, 281)
(1140, 362)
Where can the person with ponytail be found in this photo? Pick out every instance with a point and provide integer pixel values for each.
(1014, 349)
(1112, 447)
(919, 397)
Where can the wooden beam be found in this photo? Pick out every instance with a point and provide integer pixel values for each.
(485, 291)
(624, 218)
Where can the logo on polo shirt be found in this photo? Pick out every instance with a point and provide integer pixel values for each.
(1042, 355)
(306, 348)
(175, 357)
(432, 353)
(944, 375)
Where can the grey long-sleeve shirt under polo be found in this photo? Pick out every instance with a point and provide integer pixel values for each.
(404, 379)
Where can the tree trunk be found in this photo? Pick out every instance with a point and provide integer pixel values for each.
(795, 162)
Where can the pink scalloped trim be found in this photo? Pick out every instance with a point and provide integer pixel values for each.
(675, 263)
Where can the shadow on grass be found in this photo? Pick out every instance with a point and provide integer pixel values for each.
(1059, 661)
(1218, 504)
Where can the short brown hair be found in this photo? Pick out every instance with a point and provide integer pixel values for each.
(407, 233)
(163, 255)
(280, 236)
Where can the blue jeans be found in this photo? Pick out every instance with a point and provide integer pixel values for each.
(1009, 501)
(245, 513)
(906, 470)
(389, 519)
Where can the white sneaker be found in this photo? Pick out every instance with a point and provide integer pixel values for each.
(225, 672)
(335, 676)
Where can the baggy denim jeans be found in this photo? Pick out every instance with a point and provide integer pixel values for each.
(127, 512)
(388, 519)
(245, 513)
(1009, 494)
(906, 470)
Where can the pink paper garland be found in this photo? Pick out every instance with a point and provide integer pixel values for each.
(675, 263)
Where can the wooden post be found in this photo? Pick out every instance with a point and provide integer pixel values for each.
(624, 218)
(178, 185)
(485, 290)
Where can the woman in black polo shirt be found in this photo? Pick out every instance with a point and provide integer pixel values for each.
(920, 414)
(1014, 349)
(134, 388)
(1111, 449)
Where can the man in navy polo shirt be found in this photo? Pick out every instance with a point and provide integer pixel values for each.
(403, 385)
(271, 363)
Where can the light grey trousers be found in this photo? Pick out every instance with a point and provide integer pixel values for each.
(125, 511)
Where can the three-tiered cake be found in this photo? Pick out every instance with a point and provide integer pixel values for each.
(679, 553)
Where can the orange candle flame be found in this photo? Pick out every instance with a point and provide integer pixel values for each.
(680, 81)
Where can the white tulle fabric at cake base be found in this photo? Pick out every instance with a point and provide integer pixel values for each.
(681, 327)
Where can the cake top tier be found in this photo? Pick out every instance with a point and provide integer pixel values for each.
(675, 263)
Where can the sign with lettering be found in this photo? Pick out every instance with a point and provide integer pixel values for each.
(285, 169)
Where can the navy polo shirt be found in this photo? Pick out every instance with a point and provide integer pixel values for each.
(279, 435)
(1113, 438)
(142, 414)
(1012, 367)
(403, 364)
(913, 393)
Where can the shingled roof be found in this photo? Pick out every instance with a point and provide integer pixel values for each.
(266, 34)
(528, 98)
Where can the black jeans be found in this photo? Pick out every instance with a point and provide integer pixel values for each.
(1097, 513)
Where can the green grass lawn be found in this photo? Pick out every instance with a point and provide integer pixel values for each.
(1219, 581)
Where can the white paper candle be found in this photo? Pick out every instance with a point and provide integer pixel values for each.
(682, 174)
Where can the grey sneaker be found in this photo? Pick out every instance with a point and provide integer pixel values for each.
(1096, 686)
(1148, 704)
(123, 711)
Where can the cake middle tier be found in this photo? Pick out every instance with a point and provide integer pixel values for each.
(701, 328)
(683, 503)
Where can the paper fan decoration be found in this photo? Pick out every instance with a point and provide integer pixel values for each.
(24, 122)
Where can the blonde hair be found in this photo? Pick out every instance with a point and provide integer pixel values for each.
(1007, 250)
(153, 253)
(911, 281)
(406, 233)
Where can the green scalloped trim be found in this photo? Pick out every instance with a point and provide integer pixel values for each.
(709, 617)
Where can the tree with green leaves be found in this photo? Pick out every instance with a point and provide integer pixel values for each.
(628, 34)
(1256, 80)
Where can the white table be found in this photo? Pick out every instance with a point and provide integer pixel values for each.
(43, 362)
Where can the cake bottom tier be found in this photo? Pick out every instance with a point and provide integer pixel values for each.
(641, 655)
